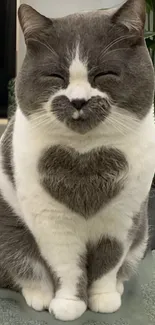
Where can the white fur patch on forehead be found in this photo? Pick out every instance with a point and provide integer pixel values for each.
(78, 68)
(79, 86)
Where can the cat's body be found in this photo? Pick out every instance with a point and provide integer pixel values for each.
(76, 183)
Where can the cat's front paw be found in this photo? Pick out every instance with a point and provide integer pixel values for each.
(105, 302)
(37, 299)
(67, 310)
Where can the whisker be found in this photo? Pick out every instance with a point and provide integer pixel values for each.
(45, 126)
(123, 125)
(119, 39)
(115, 126)
(44, 44)
(119, 121)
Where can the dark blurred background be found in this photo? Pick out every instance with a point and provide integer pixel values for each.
(7, 50)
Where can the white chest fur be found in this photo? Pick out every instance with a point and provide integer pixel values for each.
(138, 147)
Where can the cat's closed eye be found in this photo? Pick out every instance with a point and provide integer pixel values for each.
(107, 73)
(56, 78)
(56, 75)
(102, 76)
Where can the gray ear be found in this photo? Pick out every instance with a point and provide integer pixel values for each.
(31, 21)
(132, 15)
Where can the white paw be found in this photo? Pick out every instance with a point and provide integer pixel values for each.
(66, 310)
(38, 299)
(105, 302)
(120, 287)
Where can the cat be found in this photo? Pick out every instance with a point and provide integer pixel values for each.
(77, 161)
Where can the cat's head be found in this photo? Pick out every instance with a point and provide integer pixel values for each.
(81, 68)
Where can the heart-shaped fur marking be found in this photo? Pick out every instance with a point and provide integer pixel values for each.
(83, 182)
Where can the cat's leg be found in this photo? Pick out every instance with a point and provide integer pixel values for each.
(70, 300)
(21, 265)
(63, 250)
(61, 239)
(135, 255)
(65, 257)
(35, 285)
(38, 292)
(117, 258)
(105, 260)
(130, 265)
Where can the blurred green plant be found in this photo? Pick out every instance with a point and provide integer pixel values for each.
(150, 28)
(11, 98)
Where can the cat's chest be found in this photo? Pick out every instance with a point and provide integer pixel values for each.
(83, 182)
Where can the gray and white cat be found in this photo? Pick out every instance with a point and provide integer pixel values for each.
(77, 161)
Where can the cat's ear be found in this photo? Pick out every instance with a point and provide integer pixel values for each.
(132, 15)
(31, 21)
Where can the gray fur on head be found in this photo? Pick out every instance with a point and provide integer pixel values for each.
(111, 44)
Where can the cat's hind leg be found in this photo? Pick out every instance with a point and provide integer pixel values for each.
(21, 265)
(38, 294)
(130, 265)
(137, 249)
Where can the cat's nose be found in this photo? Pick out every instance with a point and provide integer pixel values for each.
(78, 103)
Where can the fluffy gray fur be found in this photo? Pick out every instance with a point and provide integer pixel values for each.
(82, 182)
